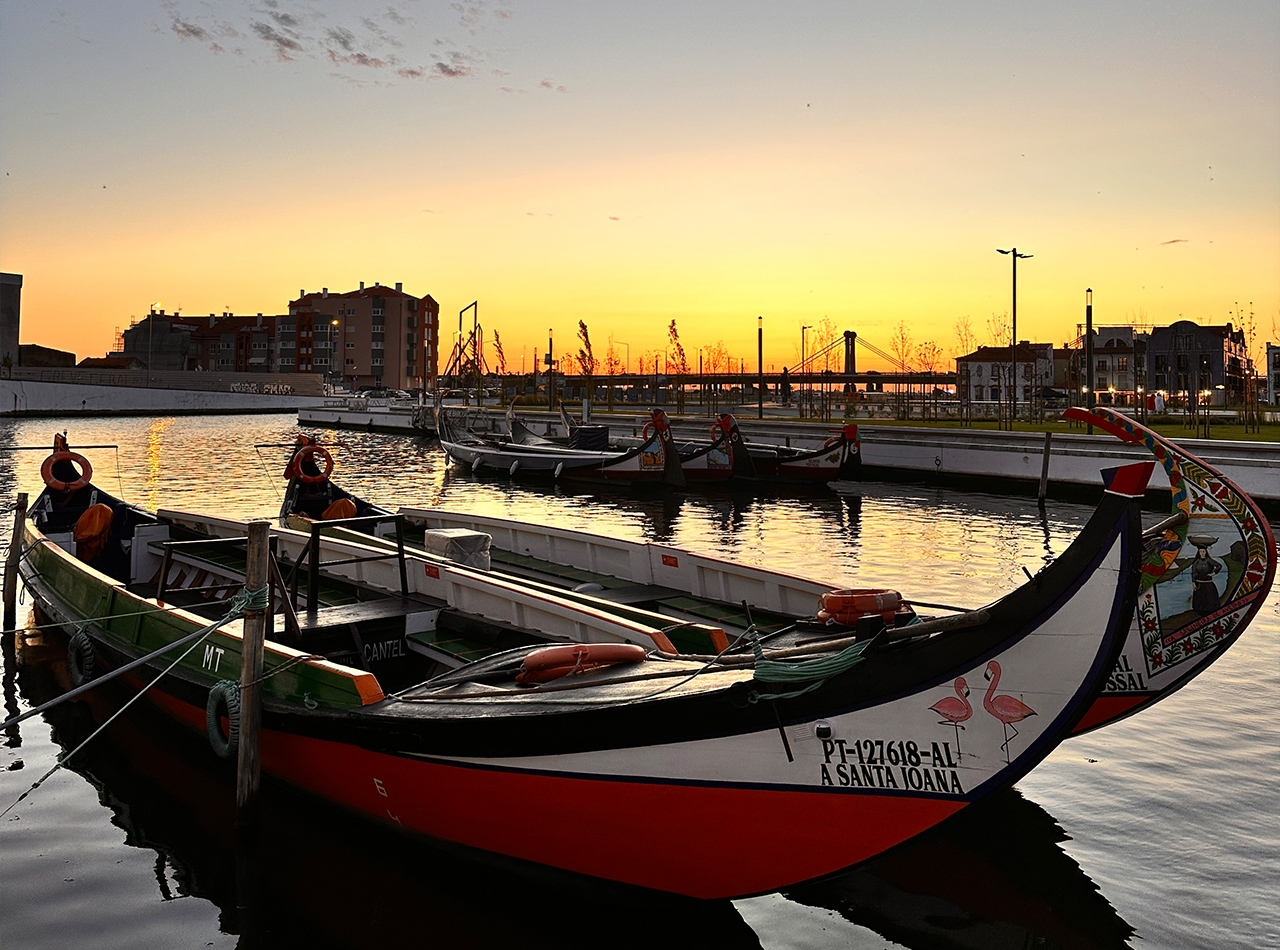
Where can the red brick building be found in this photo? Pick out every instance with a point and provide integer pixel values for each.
(374, 336)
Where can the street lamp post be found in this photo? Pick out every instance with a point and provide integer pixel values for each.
(1013, 343)
(1088, 354)
(333, 356)
(626, 367)
(803, 387)
(760, 364)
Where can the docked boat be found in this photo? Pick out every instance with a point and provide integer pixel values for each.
(728, 454)
(1209, 568)
(653, 462)
(717, 461)
(814, 748)
(695, 598)
(1206, 573)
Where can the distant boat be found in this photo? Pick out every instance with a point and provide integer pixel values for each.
(653, 462)
(702, 462)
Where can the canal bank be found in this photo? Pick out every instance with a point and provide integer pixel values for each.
(74, 392)
(969, 459)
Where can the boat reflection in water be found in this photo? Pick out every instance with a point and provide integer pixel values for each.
(992, 876)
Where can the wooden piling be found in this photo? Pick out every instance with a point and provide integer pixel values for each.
(248, 773)
(1044, 469)
(11, 564)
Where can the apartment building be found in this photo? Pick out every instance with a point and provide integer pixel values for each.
(374, 336)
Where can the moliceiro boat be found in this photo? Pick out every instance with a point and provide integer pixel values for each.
(1207, 571)
(655, 461)
(702, 463)
(815, 749)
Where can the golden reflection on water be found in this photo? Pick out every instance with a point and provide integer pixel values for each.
(152, 472)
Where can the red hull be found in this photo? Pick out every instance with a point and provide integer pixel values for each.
(1106, 709)
(733, 841)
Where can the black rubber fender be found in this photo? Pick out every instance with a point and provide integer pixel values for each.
(224, 700)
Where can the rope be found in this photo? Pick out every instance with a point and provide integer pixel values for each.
(814, 672)
(245, 600)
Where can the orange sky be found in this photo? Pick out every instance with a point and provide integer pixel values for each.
(564, 162)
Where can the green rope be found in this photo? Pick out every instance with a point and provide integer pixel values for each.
(814, 671)
(245, 600)
(805, 671)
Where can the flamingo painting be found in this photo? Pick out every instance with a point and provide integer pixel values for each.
(953, 710)
(1005, 708)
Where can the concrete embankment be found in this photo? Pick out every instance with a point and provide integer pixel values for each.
(30, 397)
(974, 459)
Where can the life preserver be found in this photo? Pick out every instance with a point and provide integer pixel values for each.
(849, 606)
(309, 452)
(80, 658)
(63, 455)
(832, 442)
(224, 700)
(647, 431)
(553, 662)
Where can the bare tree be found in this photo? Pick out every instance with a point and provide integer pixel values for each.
(966, 341)
(929, 357)
(611, 366)
(998, 329)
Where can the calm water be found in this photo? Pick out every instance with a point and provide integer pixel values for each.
(1161, 831)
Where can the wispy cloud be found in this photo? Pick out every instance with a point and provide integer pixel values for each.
(284, 43)
(189, 31)
(409, 39)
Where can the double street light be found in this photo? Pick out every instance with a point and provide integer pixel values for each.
(1013, 343)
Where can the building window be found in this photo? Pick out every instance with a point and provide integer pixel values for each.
(1123, 365)
(350, 345)
(376, 361)
(377, 327)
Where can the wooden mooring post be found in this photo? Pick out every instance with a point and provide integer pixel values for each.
(11, 564)
(248, 773)
(1044, 470)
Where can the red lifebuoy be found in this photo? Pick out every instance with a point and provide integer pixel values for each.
(849, 606)
(306, 453)
(832, 442)
(571, 658)
(647, 431)
(63, 455)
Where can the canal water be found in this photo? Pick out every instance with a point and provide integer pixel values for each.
(1162, 831)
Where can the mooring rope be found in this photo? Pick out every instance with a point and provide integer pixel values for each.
(237, 606)
(814, 672)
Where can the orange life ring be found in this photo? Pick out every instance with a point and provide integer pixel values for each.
(571, 658)
(309, 452)
(849, 606)
(833, 442)
(63, 455)
(647, 431)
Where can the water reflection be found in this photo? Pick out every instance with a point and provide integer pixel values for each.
(993, 876)
(318, 879)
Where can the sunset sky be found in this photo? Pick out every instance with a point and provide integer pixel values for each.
(852, 163)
